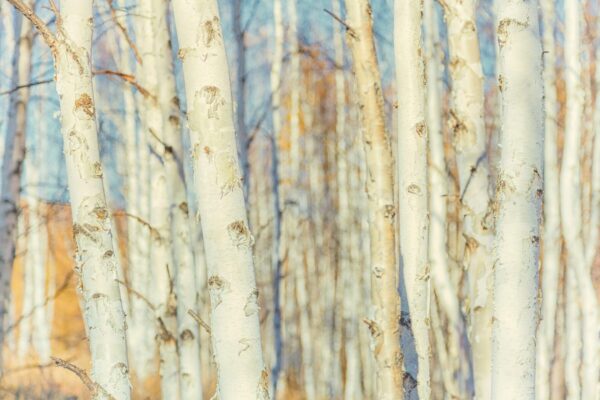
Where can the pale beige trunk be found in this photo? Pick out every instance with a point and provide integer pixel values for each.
(385, 317)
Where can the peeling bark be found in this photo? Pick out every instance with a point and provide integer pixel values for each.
(384, 322)
(217, 176)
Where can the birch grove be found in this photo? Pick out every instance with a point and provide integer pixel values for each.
(292, 199)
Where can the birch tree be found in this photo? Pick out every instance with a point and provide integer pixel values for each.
(162, 277)
(12, 160)
(519, 195)
(412, 178)
(172, 158)
(551, 234)
(217, 177)
(456, 371)
(571, 204)
(277, 253)
(385, 317)
(470, 145)
(95, 259)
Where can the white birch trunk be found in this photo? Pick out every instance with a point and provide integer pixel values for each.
(572, 337)
(446, 293)
(12, 160)
(385, 317)
(163, 273)
(185, 283)
(27, 277)
(217, 176)
(519, 196)
(470, 142)
(412, 179)
(571, 204)
(96, 262)
(240, 89)
(551, 234)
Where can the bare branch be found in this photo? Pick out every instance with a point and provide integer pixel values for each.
(199, 320)
(93, 387)
(153, 231)
(127, 78)
(27, 85)
(36, 21)
(137, 294)
(341, 21)
(122, 28)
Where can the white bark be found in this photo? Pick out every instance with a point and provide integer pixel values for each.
(551, 234)
(149, 31)
(96, 262)
(384, 322)
(172, 157)
(438, 194)
(412, 179)
(570, 201)
(470, 144)
(217, 176)
(12, 159)
(572, 337)
(348, 268)
(519, 195)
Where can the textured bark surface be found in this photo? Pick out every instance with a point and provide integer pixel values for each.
(95, 257)
(162, 276)
(519, 197)
(470, 143)
(412, 180)
(385, 316)
(217, 175)
(456, 368)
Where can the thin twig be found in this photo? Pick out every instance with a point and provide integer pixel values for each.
(64, 285)
(199, 320)
(28, 13)
(142, 221)
(127, 78)
(341, 21)
(122, 28)
(27, 85)
(137, 294)
(93, 387)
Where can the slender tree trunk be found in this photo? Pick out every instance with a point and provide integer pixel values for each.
(458, 361)
(412, 179)
(240, 86)
(217, 175)
(296, 228)
(551, 234)
(95, 259)
(12, 162)
(163, 273)
(347, 266)
(519, 197)
(277, 256)
(570, 201)
(470, 144)
(384, 322)
(573, 337)
(172, 158)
